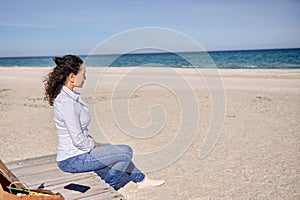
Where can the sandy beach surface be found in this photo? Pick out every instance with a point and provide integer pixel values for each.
(257, 154)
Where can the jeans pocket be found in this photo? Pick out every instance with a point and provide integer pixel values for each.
(71, 165)
(62, 165)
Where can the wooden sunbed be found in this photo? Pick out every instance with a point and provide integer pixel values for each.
(43, 170)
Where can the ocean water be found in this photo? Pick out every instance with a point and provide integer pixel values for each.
(271, 58)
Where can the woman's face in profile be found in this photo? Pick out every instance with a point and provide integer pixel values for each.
(80, 77)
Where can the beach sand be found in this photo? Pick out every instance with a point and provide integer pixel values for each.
(257, 154)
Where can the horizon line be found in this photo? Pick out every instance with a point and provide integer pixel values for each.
(210, 51)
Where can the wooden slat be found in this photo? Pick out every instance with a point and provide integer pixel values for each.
(61, 180)
(36, 168)
(97, 187)
(31, 161)
(52, 178)
(36, 171)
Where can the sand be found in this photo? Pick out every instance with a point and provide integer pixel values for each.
(257, 154)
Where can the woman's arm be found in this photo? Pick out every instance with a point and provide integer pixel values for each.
(71, 117)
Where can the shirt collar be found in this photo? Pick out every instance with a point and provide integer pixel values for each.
(73, 94)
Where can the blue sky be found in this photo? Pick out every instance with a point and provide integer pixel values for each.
(56, 27)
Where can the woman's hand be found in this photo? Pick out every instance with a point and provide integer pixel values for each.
(97, 144)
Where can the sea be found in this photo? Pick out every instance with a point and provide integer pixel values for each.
(233, 59)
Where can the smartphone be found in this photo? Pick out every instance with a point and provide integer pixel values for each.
(77, 187)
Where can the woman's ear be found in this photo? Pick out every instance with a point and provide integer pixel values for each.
(71, 77)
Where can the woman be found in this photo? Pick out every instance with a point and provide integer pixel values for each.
(77, 151)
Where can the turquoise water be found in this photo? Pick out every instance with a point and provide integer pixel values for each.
(272, 58)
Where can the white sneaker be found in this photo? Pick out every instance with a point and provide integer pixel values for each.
(149, 182)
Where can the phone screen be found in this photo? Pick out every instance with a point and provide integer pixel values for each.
(77, 187)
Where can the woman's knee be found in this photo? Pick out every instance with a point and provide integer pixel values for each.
(127, 150)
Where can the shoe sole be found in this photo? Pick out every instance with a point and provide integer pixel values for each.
(151, 186)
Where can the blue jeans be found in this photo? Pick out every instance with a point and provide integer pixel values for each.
(111, 162)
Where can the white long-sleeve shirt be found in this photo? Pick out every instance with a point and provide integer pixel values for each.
(72, 117)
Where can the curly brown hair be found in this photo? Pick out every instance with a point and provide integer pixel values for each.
(55, 79)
